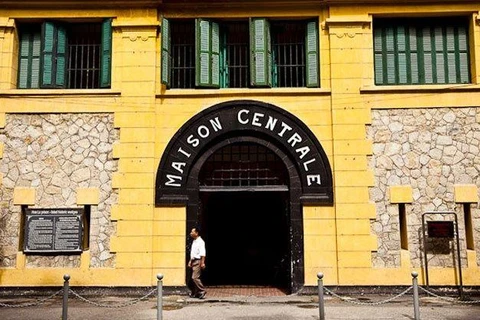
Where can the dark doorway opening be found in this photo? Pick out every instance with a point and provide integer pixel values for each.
(248, 238)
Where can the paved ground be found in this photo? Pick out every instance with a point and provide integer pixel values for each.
(240, 308)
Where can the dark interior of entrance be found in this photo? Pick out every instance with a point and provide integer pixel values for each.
(247, 237)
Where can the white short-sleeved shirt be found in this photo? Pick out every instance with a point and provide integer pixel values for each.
(198, 249)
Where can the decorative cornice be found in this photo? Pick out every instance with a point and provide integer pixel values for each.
(95, 4)
(79, 4)
(351, 22)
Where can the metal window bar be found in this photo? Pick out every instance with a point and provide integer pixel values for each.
(237, 54)
(182, 54)
(83, 69)
(245, 164)
(288, 44)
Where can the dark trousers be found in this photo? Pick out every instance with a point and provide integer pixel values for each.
(196, 285)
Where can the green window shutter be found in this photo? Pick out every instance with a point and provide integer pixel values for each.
(166, 61)
(390, 56)
(215, 55)
(261, 53)
(412, 46)
(106, 54)
(463, 61)
(419, 52)
(61, 65)
(207, 49)
(29, 59)
(54, 56)
(378, 55)
(48, 34)
(312, 58)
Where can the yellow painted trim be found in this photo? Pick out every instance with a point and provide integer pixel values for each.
(2, 147)
(354, 178)
(133, 150)
(24, 196)
(20, 260)
(132, 212)
(88, 196)
(356, 210)
(3, 120)
(401, 194)
(134, 120)
(357, 242)
(85, 260)
(132, 180)
(466, 193)
(353, 227)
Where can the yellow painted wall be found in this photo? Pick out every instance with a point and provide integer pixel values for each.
(151, 240)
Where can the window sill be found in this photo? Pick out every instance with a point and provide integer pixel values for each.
(177, 93)
(58, 92)
(420, 88)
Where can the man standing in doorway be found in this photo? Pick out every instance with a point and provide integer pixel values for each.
(197, 264)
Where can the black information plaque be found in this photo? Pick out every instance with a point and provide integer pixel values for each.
(53, 230)
(440, 229)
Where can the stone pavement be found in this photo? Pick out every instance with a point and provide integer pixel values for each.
(238, 307)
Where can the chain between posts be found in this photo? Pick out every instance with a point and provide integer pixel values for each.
(113, 306)
(368, 303)
(452, 300)
(31, 304)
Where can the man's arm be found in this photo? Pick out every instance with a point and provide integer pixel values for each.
(202, 262)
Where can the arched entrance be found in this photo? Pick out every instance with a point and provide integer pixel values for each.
(264, 209)
(244, 197)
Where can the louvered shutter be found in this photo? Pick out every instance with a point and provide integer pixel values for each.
(463, 64)
(261, 53)
(54, 55)
(29, 59)
(106, 54)
(312, 59)
(402, 64)
(207, 49)
(377, 38)
(166, 61)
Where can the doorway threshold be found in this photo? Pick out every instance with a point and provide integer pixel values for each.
(244, 290)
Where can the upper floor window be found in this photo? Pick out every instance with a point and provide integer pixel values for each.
(65, 55)
(421, 51)
(239, 54)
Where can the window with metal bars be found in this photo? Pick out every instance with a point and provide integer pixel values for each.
(182, 54)
(288, 46)
(236, 55)
(421, 51)
(242, 165)
(83, 69)
(65, 55)
(204, 53)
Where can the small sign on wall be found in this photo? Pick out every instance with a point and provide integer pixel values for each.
(440, 229)
(53, 230)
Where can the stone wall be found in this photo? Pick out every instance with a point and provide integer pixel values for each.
(431, 150)
(56, 154)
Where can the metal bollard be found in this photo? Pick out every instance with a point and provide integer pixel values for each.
(416, 302)
(66, 289)
(159, 296)
(321, 302)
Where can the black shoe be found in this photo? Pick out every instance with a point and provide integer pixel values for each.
(202, 295)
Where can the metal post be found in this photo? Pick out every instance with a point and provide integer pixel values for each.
(321, 302)
(159, 296)
(459, 258)
(66, 289)
(416, 302)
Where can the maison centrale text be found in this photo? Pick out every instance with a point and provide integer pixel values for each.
(278, 127)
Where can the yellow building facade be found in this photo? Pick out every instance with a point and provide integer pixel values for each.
(323, 163)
